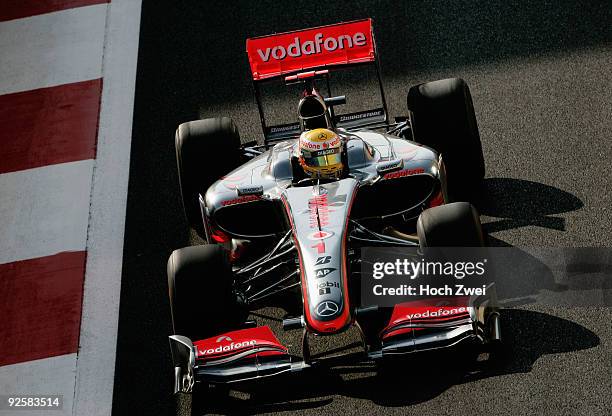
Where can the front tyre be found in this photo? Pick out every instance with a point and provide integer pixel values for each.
(451, 225)
(202, 302)
(458, 225)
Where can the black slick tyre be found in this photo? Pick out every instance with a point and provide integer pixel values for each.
(443, 118)
(205, 150)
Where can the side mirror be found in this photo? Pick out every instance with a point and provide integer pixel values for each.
(332, 101)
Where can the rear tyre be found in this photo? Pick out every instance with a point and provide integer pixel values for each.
(205, 150)
(451, 225)
(443, 118)
(202, 302)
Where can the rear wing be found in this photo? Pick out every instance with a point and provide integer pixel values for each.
(286, 53)
(324, 47)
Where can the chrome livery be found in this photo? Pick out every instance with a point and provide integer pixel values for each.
(316, 229)
(299, 238)
(319, 215)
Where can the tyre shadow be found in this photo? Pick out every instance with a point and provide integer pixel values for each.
(518, 203)
(528, 336)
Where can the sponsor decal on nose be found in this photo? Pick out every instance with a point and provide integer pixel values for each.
(323, 272)
(322, 260)
(327, 309)
(326, 287)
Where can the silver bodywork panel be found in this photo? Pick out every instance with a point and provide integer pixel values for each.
(273, 172)
(265, 191)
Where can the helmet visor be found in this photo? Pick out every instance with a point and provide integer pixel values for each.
(322, 158)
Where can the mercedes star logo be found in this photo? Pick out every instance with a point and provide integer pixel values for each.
(327, 308)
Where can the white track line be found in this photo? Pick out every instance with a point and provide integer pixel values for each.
(98, 342)
(53, 375)
(52, 49)
(44, 210)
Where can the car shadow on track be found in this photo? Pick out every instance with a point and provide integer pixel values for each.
(528, 336)
(518, 203)
(515, 203)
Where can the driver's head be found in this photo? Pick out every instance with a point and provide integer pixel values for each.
(321, 154)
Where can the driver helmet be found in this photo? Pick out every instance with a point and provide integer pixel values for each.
(320, 154)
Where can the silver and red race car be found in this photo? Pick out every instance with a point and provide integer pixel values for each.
(276, 236)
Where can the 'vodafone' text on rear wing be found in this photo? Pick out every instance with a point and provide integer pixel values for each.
(285, 53)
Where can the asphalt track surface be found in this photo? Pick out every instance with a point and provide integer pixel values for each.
(541, 80)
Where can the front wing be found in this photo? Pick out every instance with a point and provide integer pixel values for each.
(254, 353)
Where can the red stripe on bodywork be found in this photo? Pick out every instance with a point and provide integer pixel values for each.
(41, 307)
(49, 125)
(15, 9)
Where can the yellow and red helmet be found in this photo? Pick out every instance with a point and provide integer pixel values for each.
(321, 154)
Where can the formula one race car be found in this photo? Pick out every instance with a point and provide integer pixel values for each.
(286, 224)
